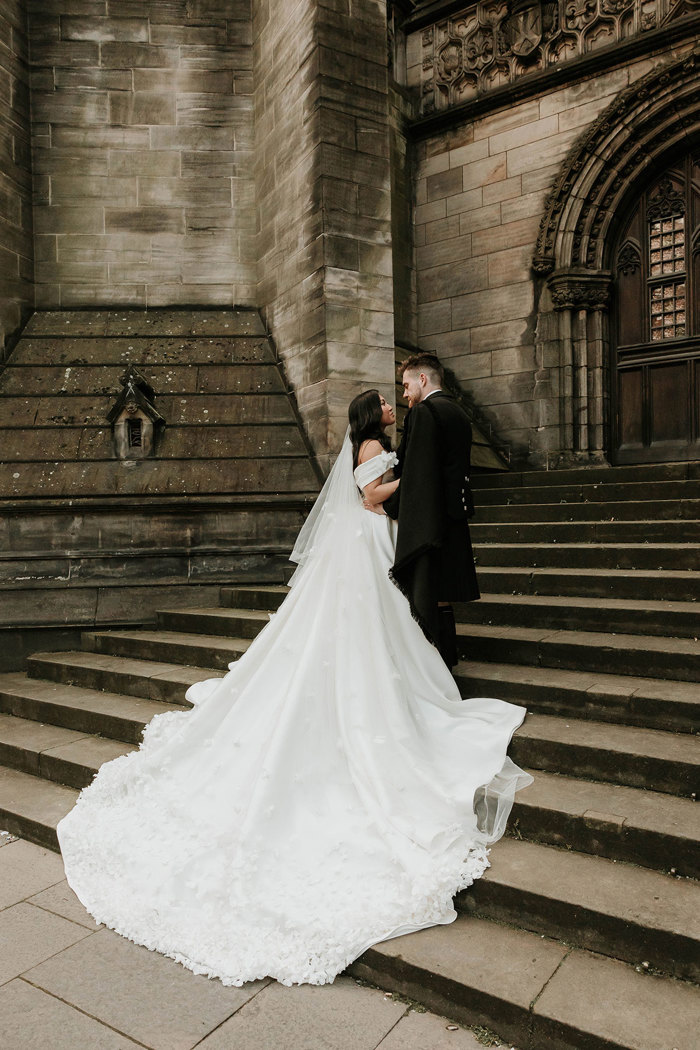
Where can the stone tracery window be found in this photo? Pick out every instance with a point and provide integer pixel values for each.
(667, 256)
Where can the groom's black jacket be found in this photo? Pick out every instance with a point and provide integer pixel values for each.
(434, 560)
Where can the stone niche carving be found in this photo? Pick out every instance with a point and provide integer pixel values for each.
(495, 42)
(134, 418)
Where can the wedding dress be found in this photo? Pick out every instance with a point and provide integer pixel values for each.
(330, 792)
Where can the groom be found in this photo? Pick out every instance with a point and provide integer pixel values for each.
(434, 564)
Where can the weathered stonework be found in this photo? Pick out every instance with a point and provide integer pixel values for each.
(324, 202)
(492, 44)
(142, 152)
(507, 198)
(16, 253)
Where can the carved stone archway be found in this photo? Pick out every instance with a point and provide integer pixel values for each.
(630, 141)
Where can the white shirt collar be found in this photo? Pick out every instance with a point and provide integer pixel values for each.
(438, 391)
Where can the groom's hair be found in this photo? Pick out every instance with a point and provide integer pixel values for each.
(427, 363)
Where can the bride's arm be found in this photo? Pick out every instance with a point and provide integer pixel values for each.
(375, 492)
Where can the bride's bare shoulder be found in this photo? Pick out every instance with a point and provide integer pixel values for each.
(368, 450)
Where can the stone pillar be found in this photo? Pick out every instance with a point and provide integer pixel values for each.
(324, 202)
(580, 299)
(16, 251)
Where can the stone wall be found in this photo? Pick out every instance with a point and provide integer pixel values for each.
(403, 257)
(142, 152)
(480, 194)
(16, 253)
(324, 201)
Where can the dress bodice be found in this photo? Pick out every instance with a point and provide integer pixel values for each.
(373, 468)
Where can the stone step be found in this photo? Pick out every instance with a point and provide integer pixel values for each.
(32, 380)
(644, 758)
(535, 992)
(113, 715)
(226, 623)
(190, 442)
(638, 584)
(673, 557)
(642, 827)
(119, 351)
(613, 532)
(633, 654)
(632, 491)
(623, 699)
(162, 477)
(656, 510)
(266, 598)
(615, 909)
(474, 971)
(155, 322)
(148, 679)
(177, 647)
(31, 807)
(53, 752)
(178, 410)
(643, 473)
(570, 613)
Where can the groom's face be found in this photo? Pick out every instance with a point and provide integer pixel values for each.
(412, 388)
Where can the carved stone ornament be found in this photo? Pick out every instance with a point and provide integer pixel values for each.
(134, 418)
(523, 29)
(449, 60)
(666, 202)
(479, 50)
(629, 258)
(640, 126)
(580, 13)
(580, 290)
(492, 42)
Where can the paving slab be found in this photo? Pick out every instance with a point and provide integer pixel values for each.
(60, 900)
(27, 869)
(32, 1020)
(338, 1016)
(423, 1031)
(592, 1001)
(139, 993)
(28, 935)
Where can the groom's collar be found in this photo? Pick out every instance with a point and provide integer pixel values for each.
(438, 391)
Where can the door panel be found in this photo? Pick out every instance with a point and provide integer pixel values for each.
(669, 403)
(656, 357)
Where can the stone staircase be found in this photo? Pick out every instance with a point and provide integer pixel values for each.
(585, 932)
(88, 539)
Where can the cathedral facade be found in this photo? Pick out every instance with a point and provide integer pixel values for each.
(513, 185)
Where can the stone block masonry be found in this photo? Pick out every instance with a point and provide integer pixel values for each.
(323, 181)
(142, 119)
(480, 192)
(16, 254)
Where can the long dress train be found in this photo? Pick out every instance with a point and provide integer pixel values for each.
(330, 792)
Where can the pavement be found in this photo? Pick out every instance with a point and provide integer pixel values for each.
(67, 983)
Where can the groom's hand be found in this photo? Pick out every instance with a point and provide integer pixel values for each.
(376, 509)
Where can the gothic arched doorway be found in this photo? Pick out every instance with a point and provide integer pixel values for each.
(655, 368)
(615, 326)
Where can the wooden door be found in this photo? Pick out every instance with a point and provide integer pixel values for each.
(656, 359)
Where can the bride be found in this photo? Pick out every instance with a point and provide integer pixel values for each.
(331, 791)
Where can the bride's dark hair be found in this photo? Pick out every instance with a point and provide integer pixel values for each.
(365, 417)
